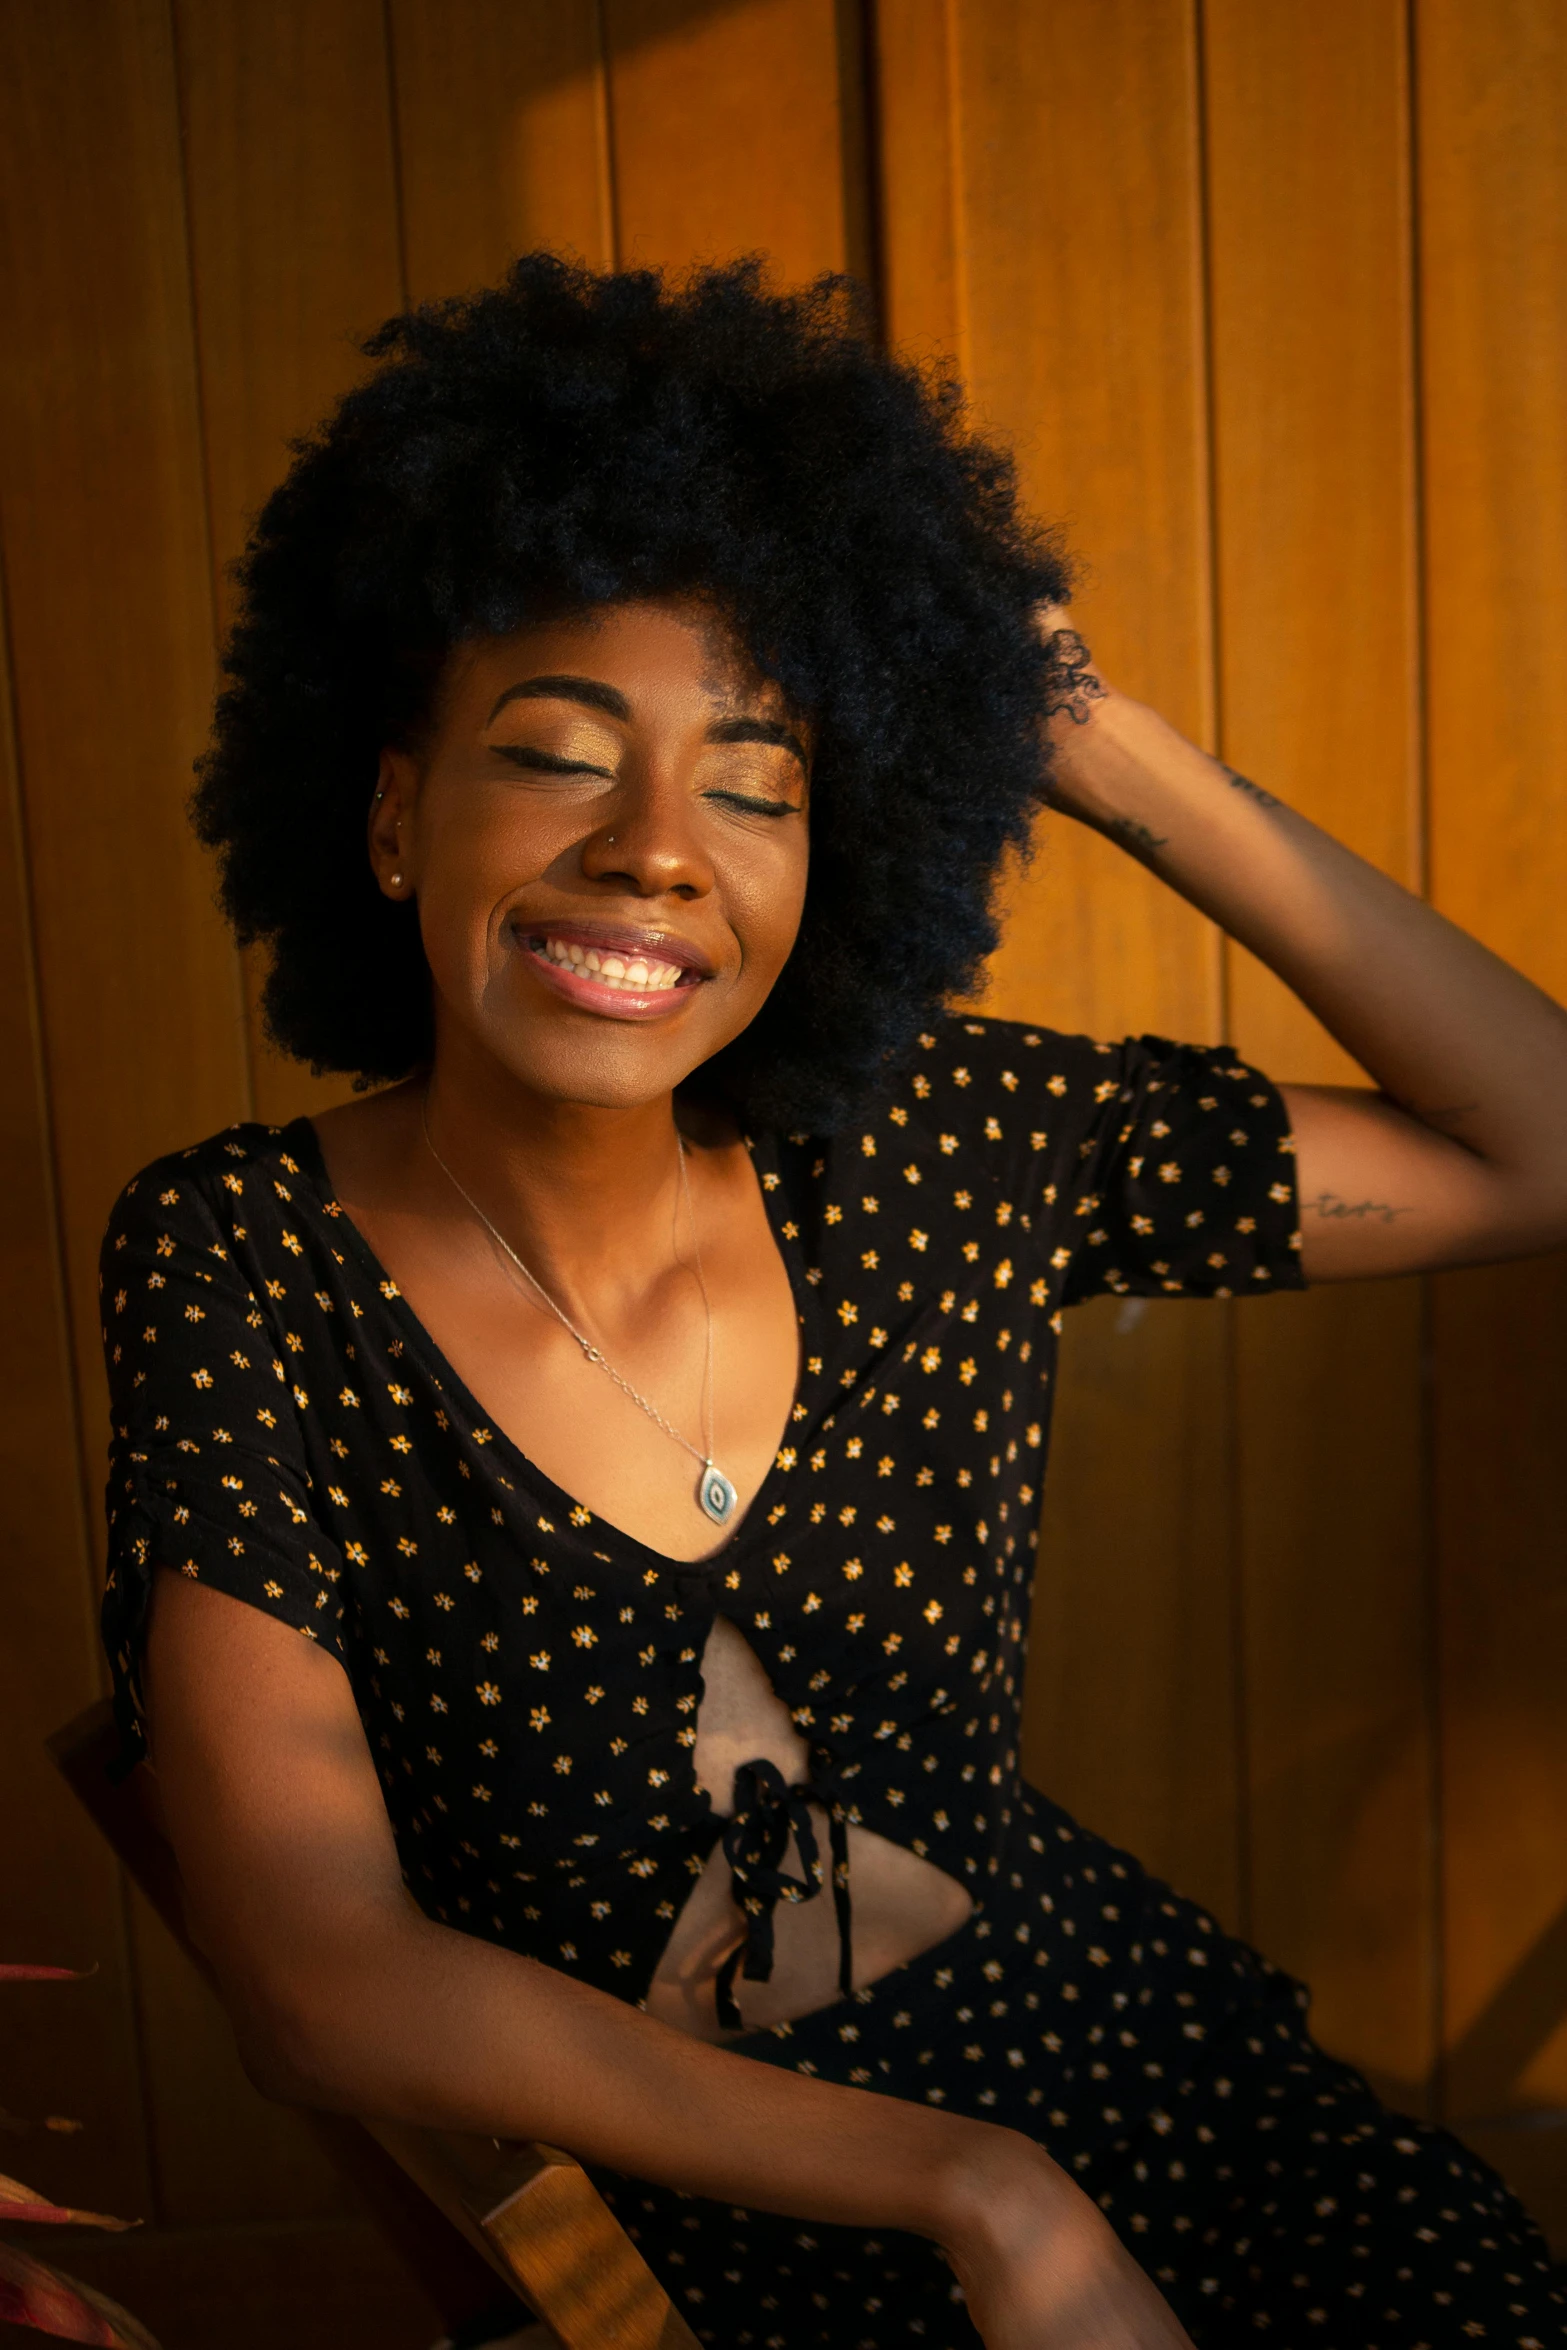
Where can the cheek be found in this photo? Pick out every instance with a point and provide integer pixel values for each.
(468, 867)
(767, 902)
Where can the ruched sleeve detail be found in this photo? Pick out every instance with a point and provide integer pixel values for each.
(1184, 1183)
(207, 1470)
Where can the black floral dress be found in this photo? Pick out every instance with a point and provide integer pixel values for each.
(528, 1675)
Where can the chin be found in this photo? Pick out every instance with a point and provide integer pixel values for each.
(616, 1072)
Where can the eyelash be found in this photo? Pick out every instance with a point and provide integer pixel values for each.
(753, 807)
(545, 763)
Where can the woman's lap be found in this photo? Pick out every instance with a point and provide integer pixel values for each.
(1170, 2072)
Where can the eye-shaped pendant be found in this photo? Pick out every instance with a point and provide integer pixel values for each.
(716, 1495)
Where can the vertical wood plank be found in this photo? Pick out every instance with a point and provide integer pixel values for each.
(1493, 235)
(111, 631)
(916, 84)
(1129, 1715)
(1081, 267)
(1050, 240)
(69, 2047)
(111, 619)
(293, 233)
(1311, 336)
(503, 137)
(729, 135)
(288, 151)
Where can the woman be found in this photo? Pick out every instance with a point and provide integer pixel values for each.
(639, 1403)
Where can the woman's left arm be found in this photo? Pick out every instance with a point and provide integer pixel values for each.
(1460, 1155)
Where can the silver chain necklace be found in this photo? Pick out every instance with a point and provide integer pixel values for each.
(715, 1494)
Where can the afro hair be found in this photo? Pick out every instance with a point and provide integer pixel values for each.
(572, 439)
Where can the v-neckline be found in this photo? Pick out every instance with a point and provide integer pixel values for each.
(301, 1138)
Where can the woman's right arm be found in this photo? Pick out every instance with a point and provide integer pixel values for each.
(343, 1995)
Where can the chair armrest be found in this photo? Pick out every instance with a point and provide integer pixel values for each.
(537, 2215)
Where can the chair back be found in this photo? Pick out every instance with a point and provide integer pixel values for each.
(459, 2210)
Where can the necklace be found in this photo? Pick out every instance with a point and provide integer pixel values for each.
(715, 1494)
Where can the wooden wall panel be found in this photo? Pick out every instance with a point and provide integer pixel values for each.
(111, 619)
(69, 2048)
(503, 137)
(1084, 346)
(290, 202)
(731, 134)
(1162, 242)
(1318, 630)
(1054, 249)
(291, 197)
(1493, 269)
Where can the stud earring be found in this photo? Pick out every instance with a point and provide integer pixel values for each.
(397, 881)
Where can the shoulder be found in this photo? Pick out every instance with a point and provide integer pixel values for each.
(200, 1192)
(967, 1069)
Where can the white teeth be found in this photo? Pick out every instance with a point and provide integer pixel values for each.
(638, 974)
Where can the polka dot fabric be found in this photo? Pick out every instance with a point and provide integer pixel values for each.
(285, 1430)
(1169, 2070)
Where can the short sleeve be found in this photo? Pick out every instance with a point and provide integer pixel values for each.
(207, 1473)
(1185, 1184)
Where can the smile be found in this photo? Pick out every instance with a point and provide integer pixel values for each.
(626, 981)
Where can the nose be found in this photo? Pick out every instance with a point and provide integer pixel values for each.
(650, 841)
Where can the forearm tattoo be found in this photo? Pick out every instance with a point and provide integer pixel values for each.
(1253, 791)
(1071, 687)
(1138, 838)
(1334, 1210)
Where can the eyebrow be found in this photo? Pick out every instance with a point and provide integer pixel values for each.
(593, 694)
(758, 730)
(588, 690)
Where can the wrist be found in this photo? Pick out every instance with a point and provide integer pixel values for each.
(992, 2188)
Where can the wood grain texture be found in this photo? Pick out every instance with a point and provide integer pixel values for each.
(69, 2047)
(503, 137)
(1336, 1666)
(291, 197)
(1084, 348)
(1312, 334)
(729, 134)
(916, 80)
(1079, 321)
(1493, 284)
(111, 622)
(1130, 1717)
(1307, 119)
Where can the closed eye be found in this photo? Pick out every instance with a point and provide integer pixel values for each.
(753, 807)
(547, 762)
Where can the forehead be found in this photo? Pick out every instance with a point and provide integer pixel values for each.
(647, 650)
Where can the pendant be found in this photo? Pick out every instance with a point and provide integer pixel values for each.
(716, 1495)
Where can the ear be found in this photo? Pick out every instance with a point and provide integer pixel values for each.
(390, 828)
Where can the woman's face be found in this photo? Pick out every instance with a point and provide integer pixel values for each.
(606, 835)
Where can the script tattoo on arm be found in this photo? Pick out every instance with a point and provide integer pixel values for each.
(1139, 839)
(1335, 1210)
(1253, 791)
(1071, 687)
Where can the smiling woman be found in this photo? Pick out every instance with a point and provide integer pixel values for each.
(640, 1404)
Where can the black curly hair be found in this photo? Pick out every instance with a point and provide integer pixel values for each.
(568, 440)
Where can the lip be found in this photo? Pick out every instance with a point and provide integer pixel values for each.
(619, 938)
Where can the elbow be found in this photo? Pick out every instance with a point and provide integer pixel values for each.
(290, 2048)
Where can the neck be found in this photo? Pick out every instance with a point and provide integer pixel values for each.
(588, 1196)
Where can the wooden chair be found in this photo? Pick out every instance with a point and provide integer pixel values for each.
(460, 2210)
